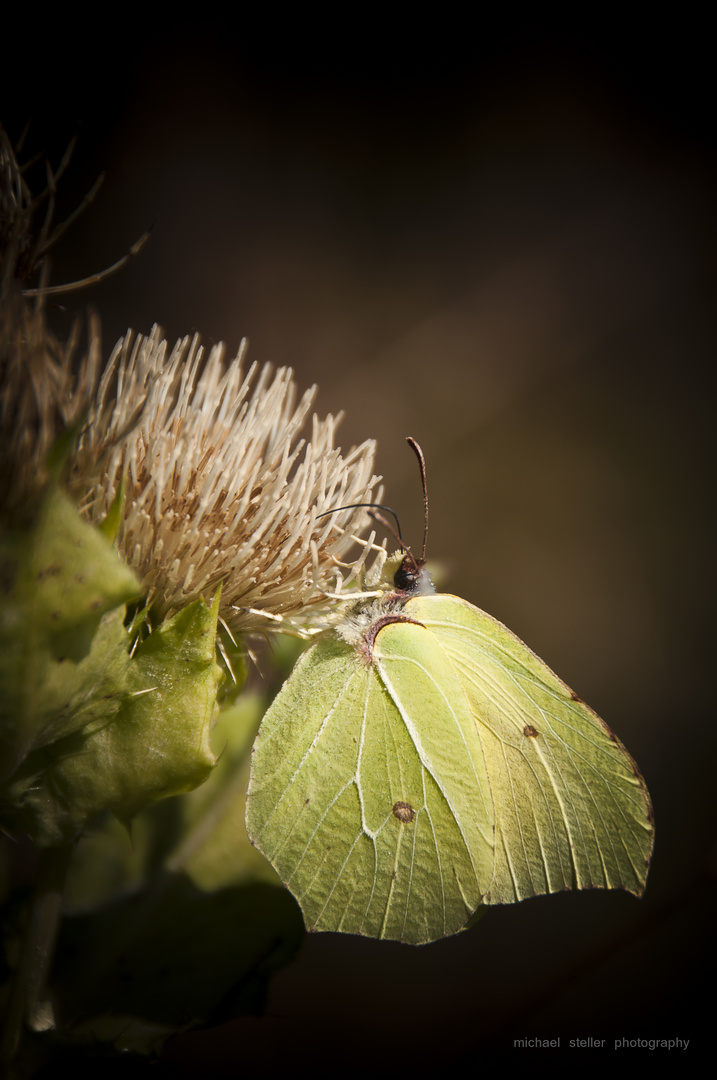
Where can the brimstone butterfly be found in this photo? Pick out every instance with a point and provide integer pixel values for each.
(421, 761)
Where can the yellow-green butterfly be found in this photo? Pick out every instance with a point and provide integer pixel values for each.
(421, 761)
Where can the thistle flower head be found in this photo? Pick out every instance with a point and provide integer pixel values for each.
(220, 488)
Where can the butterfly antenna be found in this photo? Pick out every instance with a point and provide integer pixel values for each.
(422, 463)
(373, 506)
(389, 527)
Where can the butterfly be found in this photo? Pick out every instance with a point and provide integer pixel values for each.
(421, 761)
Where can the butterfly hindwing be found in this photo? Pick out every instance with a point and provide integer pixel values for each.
(369, 793)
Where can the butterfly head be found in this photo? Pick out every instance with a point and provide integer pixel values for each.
(405, 573)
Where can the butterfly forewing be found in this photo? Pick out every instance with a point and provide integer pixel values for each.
(573, 808)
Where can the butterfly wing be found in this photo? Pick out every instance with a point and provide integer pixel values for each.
(369, 793)
(571, 808)
(392, 797)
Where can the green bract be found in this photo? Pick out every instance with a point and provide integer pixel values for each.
(86, 724)
(431, 765)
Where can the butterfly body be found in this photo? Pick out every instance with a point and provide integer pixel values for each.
(423, 760)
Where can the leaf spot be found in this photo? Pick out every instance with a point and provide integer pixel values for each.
(53, 570)
(530, 732)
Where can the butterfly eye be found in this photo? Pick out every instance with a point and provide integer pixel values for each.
(406, 577)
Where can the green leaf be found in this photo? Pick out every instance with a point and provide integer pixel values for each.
(175, 956)
(215, 851)
(144, 734)
(59, 577)
(432, 763)
(201, 834)
(208, 922)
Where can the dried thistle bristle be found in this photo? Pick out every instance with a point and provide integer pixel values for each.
(17, 250)
(220, 488)
(44, 387)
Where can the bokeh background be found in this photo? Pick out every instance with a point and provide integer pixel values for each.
(501, 243)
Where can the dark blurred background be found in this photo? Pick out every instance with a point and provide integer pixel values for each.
(501, 242)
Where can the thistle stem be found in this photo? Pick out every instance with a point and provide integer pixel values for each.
(38, 947)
